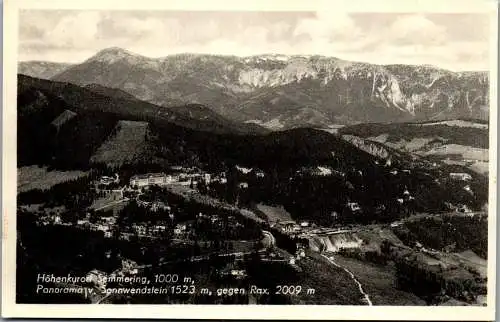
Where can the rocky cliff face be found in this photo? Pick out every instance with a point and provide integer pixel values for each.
(369, 147)
(290, 91)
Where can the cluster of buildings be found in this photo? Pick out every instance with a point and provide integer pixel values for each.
(152, 230)
(104, 224)
(257, 172)
(233, 270)
(153, 205)
(161, 179)
(107, 225)
(290, 227)
(52, 219)
(320, 171)
(180, 175)
(100, 279)
(282, 258)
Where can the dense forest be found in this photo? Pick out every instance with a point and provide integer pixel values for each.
(324, 199)
(434, 284)
(458, 232)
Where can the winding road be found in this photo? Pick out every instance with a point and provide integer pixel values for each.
(272, 240)
(360, 287)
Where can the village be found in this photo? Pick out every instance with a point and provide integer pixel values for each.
(157, 219)
(171, 224)
(115, 193)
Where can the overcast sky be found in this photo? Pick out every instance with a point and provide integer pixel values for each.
(452, 41)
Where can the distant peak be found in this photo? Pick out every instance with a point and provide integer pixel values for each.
(113, 50)
(112, 54)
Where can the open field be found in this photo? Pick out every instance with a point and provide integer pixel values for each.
(332, 285)
(34, 177)
(467, 152)
(373, 238)
(378, 282)
(110, 202)
(471, 259)
(409, 145)
(274, 214)
(434, 146)
(191, 194)
(481, 167)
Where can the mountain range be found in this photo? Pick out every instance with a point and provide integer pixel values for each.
(281, 92)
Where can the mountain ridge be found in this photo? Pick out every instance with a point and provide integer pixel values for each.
(289, 91)
(114, 101)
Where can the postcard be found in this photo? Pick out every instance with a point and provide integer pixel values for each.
(250, 160)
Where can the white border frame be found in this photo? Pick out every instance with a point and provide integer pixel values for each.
(319, 312)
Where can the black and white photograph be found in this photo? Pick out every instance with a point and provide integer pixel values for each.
(218, 157)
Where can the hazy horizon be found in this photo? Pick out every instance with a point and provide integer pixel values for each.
(457, 42)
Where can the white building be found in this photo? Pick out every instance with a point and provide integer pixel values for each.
(150, 179)
(239, 273)
(105, 180)
(353, 206)
(180, 229)
(460, 176)
(260, 174)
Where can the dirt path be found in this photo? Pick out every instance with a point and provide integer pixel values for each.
(360, 287)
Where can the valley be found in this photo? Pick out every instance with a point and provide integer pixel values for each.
(362, 184)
